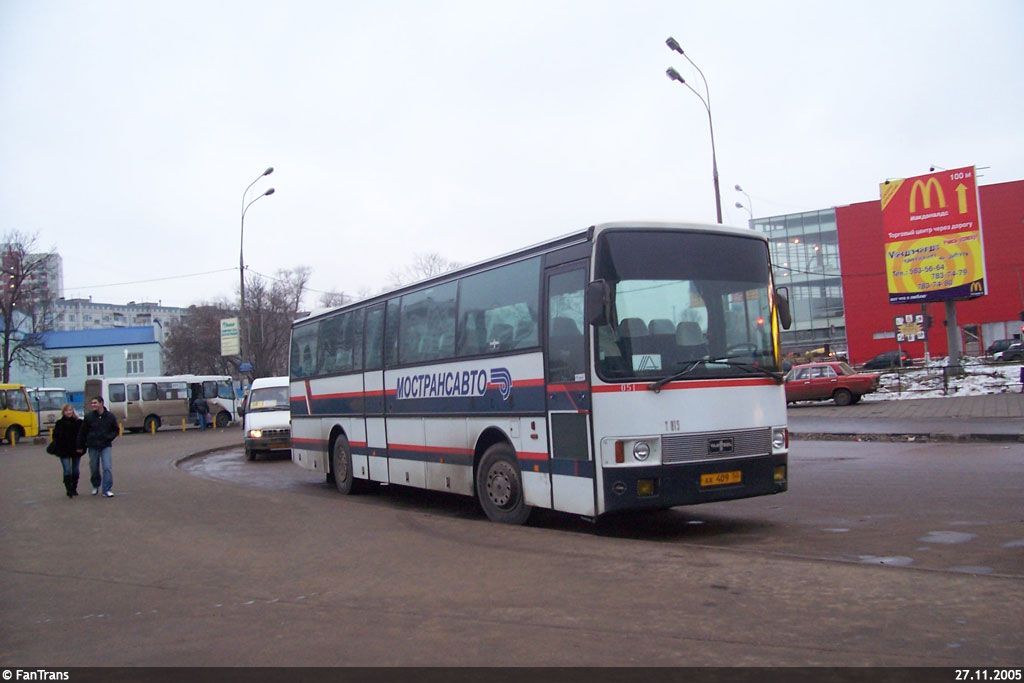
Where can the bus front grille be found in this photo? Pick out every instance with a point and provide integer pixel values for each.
(743, 443)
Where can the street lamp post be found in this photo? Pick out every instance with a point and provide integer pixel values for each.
(750, 203)
(242, 339)
(674, 75)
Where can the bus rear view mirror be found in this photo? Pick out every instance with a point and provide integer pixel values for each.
(599, 302)
(782, 304)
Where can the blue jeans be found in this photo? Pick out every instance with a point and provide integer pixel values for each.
(70, 465)
(97, 457)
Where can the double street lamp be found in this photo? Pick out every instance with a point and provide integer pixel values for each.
(242, 339)
(706, 101)
(749, 206)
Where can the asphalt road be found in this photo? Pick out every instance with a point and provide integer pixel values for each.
(880, 554)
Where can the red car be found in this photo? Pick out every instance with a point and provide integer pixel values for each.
(824, 381)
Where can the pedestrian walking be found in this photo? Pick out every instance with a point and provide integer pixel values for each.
(97, 433)
(202, 409)
(65, 438)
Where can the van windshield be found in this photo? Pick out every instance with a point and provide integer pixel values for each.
(268, 399)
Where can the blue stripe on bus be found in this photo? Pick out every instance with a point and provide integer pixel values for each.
(529, 399)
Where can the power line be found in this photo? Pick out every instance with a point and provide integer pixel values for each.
(158, 279)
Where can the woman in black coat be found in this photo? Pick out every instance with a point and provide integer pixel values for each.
(65, 433)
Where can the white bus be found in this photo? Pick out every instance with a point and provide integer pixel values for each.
(624, 367)
(47, 402)
(147, 403)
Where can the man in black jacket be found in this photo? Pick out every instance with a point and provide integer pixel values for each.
(98, 431)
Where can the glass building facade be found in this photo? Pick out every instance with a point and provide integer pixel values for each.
(805, 259)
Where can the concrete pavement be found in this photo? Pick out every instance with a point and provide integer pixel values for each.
(991, 417)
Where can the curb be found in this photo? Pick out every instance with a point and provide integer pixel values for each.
(939, 438)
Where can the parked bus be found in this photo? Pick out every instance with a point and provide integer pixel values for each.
(147, 403)
(47, 402)
(17, 419)
(624, 367)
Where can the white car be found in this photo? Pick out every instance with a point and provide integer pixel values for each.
(267, 421)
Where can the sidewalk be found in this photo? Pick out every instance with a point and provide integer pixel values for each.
(992, 417)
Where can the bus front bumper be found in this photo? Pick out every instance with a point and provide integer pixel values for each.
(665, 486)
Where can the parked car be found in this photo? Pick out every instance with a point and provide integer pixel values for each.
(1014, 352)
(999, 345)
(823, 381)
(888, 360)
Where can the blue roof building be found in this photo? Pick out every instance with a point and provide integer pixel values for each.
(77, 355)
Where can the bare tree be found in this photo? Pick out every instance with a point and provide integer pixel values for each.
(26, 305)
(422, 267)
(272, 304)
(193, 343)
(334, 298)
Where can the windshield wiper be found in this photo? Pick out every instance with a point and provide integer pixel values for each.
(690, 365)
(729, 360)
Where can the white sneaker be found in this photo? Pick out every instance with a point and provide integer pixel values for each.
(109, 494)
(95, 491)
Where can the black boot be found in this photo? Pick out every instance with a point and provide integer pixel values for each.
(67, 485)
(74, 484)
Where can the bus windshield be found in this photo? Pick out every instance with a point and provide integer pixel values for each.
(49, 400)
(686, 305)
(268, 399)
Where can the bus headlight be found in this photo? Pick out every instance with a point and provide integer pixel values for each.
(641, 450)
(780, 439)
(255, 434)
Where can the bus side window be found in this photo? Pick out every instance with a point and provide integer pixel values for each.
(391, 333)
(373, 338)
(116, 393)
(566, 349)
(133, 392)
(149, 391)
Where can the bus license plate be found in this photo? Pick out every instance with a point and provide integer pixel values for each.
(721, 478)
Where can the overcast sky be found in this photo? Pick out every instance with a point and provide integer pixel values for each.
(129, 130)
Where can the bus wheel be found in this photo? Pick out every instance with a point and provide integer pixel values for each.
(14, 433)
(499, 486)
(250, 454)
(842, 397)
(341, 466)
(151, 424)
(222, 419)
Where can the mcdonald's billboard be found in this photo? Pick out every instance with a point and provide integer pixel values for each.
(933, 245)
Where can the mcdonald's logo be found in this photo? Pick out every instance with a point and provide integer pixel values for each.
(925, 189)
(976, 287)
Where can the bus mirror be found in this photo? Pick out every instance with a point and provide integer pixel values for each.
(782, 304)
(599, 302)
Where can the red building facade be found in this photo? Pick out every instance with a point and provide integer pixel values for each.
(869, 315)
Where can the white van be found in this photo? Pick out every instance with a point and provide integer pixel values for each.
(267, 421)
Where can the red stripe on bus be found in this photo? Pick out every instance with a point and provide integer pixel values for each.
(429, 449)
(691, 384)
(574, 386)
(532, 456)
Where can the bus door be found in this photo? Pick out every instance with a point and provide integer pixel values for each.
(133, 407)
(568, 391)
(373, 393)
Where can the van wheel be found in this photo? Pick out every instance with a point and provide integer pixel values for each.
(14, 433)
(151, 424)
(842, 397)
(222, 419)
(341, 466)
(499, 486)
(250, 454)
